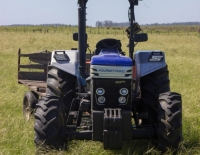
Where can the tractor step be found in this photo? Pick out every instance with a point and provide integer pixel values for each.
(75, 113)
(85, 105)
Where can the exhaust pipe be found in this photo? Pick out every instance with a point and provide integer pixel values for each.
(81, 36)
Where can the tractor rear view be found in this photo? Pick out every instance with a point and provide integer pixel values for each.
(107, 96)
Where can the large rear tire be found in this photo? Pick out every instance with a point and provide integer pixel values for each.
(169, 132)
(164, 108)
(49, 122)
(62, 84)
(152, 85)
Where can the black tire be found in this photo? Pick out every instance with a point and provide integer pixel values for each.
(152, 85)
(49, 122)
(60, 83)
(29, 102)
(169, 132)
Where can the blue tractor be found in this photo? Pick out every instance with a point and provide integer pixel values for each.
(107, 96)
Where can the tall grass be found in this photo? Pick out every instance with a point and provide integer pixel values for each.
(183, 59)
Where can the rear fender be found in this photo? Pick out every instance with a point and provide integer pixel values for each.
(147, 62)
(68, 64)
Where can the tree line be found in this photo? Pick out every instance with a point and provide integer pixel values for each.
(109, 23)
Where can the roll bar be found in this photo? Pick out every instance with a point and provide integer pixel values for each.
(82, 42)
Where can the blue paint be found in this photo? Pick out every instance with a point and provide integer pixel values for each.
(111, 58)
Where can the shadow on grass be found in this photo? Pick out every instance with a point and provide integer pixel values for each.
(135, 147)
(189, 146)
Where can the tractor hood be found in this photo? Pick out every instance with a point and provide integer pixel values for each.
(111, 58)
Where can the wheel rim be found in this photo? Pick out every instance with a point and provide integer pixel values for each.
(26, 110)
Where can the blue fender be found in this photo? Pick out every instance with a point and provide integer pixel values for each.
(147, 62)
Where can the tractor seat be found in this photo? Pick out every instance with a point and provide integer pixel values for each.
(108, 44)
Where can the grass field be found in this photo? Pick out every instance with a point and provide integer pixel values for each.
(183, 58)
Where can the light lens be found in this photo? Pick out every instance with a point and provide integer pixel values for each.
(101, 99)
(122, 100)
(123, 91)
(100, 91)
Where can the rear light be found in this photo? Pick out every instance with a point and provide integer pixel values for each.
(101, 99)
(100, 91)
(122, 100)
(123, 91)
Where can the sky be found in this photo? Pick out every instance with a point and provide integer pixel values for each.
(66, 11)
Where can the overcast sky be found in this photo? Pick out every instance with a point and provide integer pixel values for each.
(65, 11)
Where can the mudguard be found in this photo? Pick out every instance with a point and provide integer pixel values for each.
(67, 61)
(147, 62)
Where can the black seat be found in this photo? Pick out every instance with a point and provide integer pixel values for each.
(108, 44)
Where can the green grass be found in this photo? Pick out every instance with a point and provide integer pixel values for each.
(160, 30)
(183, 59)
